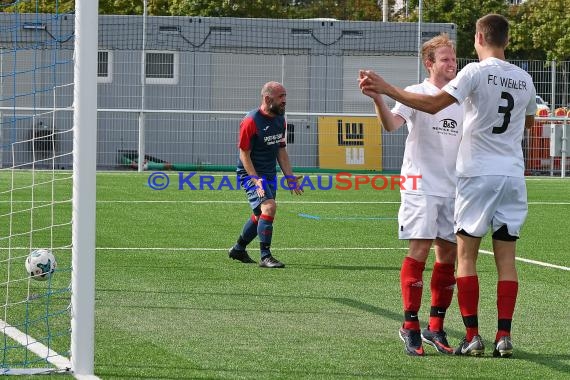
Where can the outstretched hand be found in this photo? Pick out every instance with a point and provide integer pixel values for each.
(371, 84)
(258, 182)
(294, 184)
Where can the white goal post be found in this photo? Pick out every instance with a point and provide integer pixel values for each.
(48, 137)
(84, 188)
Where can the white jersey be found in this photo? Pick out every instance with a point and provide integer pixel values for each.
(497, 95)
(431, 146)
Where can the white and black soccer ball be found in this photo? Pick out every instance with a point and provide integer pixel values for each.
(40, 264)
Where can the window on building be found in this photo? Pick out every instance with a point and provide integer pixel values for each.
(104, 66)
(161, 67)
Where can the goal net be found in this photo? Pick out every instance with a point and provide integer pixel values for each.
(38, 190)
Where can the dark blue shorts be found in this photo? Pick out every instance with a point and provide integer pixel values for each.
(269, 185)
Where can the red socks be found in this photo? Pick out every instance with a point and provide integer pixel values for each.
(441, 286)
(506, 300)
(468, 299)
(411, 283)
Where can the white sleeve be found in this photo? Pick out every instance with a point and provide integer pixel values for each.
(403, 110)
(531, 106)
(463, 84)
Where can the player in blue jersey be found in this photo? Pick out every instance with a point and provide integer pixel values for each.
(500, 101)
(262, 144)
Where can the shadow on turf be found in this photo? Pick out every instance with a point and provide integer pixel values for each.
(344, 267)
(555, 362)
(385, 313)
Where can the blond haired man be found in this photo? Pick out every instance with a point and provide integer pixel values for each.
(491, 190)
(426, 211)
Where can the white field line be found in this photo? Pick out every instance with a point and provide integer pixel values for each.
(34, 346)
(549, 203)
(60, 362)
(63, 363)
(290, 202)
(276, 249)
(529, 261)
(233, 173)
(242, 201)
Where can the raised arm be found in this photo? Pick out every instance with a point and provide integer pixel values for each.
(386, 118)
(371, 82)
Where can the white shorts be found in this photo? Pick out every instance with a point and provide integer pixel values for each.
(492, 201)
(426, 217)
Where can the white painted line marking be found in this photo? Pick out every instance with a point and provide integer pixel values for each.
(529, 261)
(34, 346)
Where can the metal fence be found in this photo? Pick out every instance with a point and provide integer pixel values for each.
(179, 96)
(546, 146)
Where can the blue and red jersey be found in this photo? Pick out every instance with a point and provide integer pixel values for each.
(263, 135)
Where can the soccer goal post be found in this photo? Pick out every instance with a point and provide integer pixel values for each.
(48, 134)
(84, 188)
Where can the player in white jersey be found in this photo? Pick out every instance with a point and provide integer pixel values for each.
(426, 210)
(499, 103)
(498, 94)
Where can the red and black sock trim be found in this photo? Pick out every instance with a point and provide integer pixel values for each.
(438, 312)
(411, 316)
(471, 321)
(504, 325)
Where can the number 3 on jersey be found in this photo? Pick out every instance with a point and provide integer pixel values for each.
(506, 111)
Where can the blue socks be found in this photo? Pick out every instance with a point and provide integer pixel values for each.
(265, 233)
(248, 233)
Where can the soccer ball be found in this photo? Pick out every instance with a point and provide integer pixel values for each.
(40, 264)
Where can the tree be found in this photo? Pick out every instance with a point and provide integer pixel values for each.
(357, 10)
(463, 13)
(540, 30)
(121, 7)
(134, 7)
(117, 7)
(43, 6)
(229, 8)
(337, 9)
